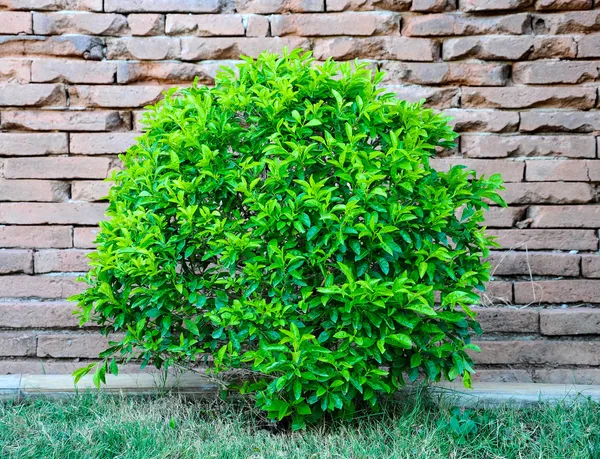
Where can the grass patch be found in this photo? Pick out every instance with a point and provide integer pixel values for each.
(102, 426)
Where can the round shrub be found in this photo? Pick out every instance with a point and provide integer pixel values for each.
(288, 222)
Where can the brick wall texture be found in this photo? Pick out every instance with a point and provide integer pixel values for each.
(519, 77)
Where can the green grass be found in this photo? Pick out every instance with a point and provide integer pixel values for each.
(97, 426)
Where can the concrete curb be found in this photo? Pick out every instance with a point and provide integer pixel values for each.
(16, 387)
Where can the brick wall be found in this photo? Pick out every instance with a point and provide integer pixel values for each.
(520, 78)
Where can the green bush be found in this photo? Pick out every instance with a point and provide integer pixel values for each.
(288, 223)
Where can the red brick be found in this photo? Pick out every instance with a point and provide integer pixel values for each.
(368, 5)
(493, 5)
(99, 120)
(433, 6)
(22, 286)
(281, 6)
(15, 23)
(433, 96)
(507, 320)
(205, 25)
(162, 6)
(52, 260)
(167, 72)
(562, 170)
(567, 23)
(33, 190)
(196, 49)
(13, 144)
(560, 121)
(535, 263)
(56, 167)
(558, 291)
(509, 47)
(529, 97)
(53, 5)
(590, 265)
(556, 72)
(102, 144)
(51, 213)
(565, 216)
(469, 74)
(16, 261)
(503, 217)
(142, 48)
(92, 190)
(82, 46)
(534, 239)
(494, 146)
(483, 120)
(67, 22)
(498, 292)
(17, 95)
(511, 171)
(567, 376)
(349, 23)
(437, 25)
(396, 48)
(571, 321)
(146, 24)
(73, 345)
(36, 236)
(588, 46)
(69, 71)
(548, 193)
(84, 237)
(15, 70)
(538, 352)
(37, 314)
(563, 4)
(17, 344)
(115, 96)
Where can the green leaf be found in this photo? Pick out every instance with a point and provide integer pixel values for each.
(399, 340)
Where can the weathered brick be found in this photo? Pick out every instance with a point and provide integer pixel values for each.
(536, 263)
(350, 23)
(53, 5)
(167, 72)
(102, 144)
(396, 48)
(537, 352)
(561, 170)
(368, 5)
(69, 71)
(162, 6)
(37, 314)
(146, 24)
(509, 47)
(567, 375)
(548, 193)
(90, 190)
(469, 74)
(493, 5)
(507, 320)
(196, 49)
(56, 167)
(511, 171)
(18, 144)
(16, 261)
(504, 375)
(495, 146)
(205, 25)
(115, 96)
(17, 95)
(84, 237)
(547, 239)
(433, 96)
(51, 286)
(52, 260)
(15, 70)
(588, 46)
(529, 97)
(590, 265)
(567, 23)
(36, 236)
(99, 120)
(558, 291)
(64, 46)
(33, 190)
(503, 217)
(433, 6)
(552, 72)
(560, 121)
(565, 216)
(497, 292)
(143, 48)
(17, 344)
(282, 6)
(482, 120)
(15, 22)
(256, 26)
(86, 345)
(571, 321)
(78, 22)
(558, 5)
(77, 213)
(439, 25)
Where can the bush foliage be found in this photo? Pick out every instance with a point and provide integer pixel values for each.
(287, 222)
